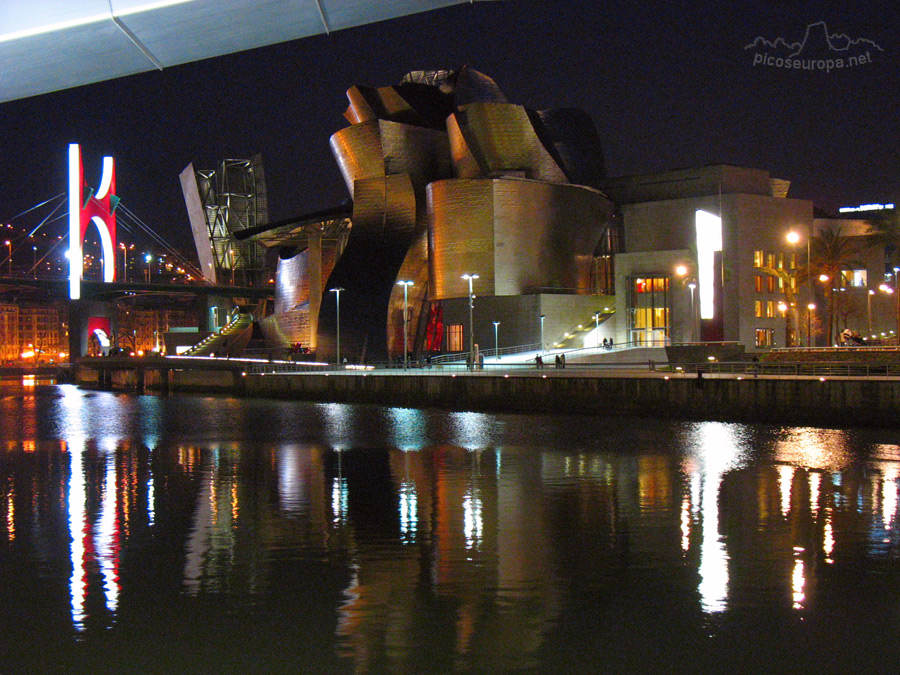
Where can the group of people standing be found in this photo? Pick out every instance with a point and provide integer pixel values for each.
(560, 361)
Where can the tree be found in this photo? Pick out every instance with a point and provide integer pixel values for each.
(832, 253)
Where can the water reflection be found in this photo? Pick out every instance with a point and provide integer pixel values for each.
(432, 547)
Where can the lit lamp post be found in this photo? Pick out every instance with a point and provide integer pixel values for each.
(34, 261)
(406, 285)
(809, 310)
(782, 307)
(543, 316)
(148, 259)
(692, 286)
(124, 262)
(597, 328)
(470, 278)
(496, 343)
(9, 246)
(794, 238)
(337, 299)
(869, 295)
(897, 288)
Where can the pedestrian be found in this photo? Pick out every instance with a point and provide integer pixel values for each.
(557, 361)
(538, 362)
(562, 360)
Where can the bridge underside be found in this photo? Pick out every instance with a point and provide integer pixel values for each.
(48, 45)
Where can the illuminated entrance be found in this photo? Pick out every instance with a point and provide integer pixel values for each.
(648, 310)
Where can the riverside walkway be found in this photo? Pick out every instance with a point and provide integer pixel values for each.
(816, 394)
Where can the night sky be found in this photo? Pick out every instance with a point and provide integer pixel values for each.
(668, 84)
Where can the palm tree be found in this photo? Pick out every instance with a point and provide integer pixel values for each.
(832, 253)
(790, 279)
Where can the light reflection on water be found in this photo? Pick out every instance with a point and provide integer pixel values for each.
(369, 539)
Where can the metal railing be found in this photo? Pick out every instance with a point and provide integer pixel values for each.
(737, 369)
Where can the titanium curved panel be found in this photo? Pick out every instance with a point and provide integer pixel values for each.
(519, 236)
(422, 153)
(359, 110)
(464, 161)
(571, 137)
(543, 233)
(503, 140)
(293, 282)
(383, 229)
(460, 236)
(415, 269)
(357, 150)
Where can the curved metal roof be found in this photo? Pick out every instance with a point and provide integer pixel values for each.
(47, 45)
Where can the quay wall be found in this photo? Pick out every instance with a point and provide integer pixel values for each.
(834, 402)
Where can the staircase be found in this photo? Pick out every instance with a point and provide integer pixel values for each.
(229, 341)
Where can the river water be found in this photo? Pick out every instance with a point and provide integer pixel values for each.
(192, 534)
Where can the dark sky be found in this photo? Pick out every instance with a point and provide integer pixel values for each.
(668, 84)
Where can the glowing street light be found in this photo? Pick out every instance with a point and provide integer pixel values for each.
(543, 316)
(470, 278)
(793, 238)
(406, 285)
(148, 259)
(9, 245)
(692, 286)
(496, 343)
(337, 297)
(809, 310)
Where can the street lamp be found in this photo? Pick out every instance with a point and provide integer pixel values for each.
(809, 310)
(34, 261)
(869, 295)
(543, 316)
(406, 285)
(231, 253)
(782, 307)
(9, 245)
(124, 262)
(496, 343)
(597, 328)
(793, 238)
(470, 278)
(337, 299)
(148, 259)
(692, 286)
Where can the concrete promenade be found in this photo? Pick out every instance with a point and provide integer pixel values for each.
(824, 397)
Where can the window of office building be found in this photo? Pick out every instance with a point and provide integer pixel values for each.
(648, 309)
(770, 309)
(765, 337)
(856, 278)
(759, 259)
(759, 309)
(455, 337)
(760, 283)
(771, 284)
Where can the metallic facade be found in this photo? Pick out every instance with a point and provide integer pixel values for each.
(449, 177)
(221, 203)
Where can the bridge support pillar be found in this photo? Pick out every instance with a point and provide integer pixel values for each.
(81, 315)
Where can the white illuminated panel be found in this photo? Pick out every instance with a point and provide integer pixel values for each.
(76, 264)
(709, 241)
(106, 178)
(51, 16)
(865, 207)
